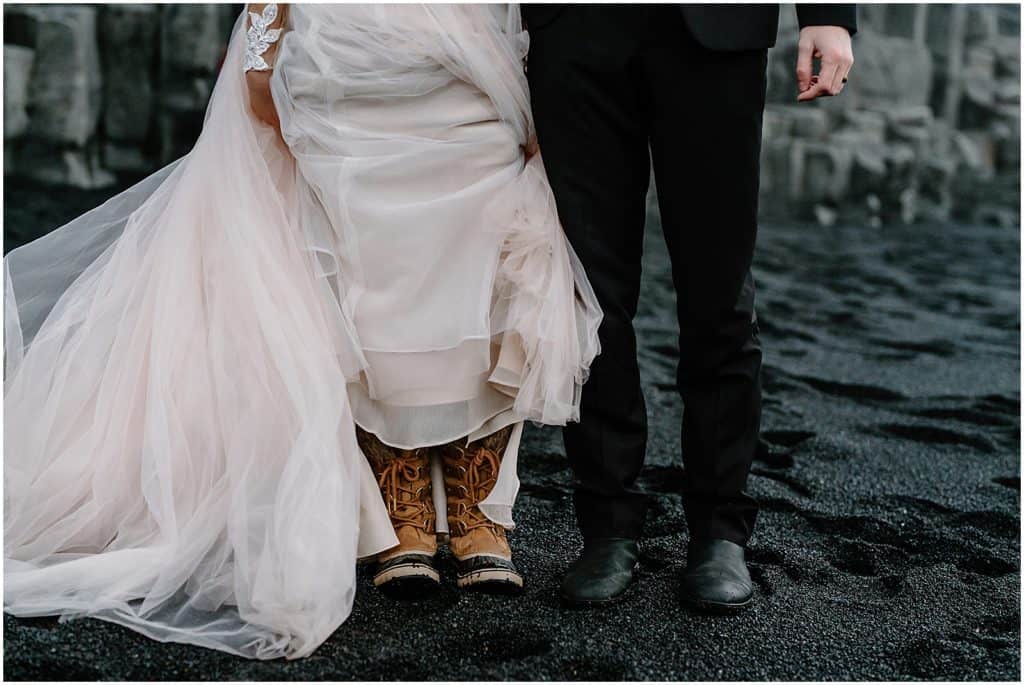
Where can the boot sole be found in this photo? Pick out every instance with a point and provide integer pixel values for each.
(492, 581)
(704, 606)
(407, 580)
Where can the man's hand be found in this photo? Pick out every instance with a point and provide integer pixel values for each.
(832, 45)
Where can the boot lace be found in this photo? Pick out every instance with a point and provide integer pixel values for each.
(469, 478)
(402, 480)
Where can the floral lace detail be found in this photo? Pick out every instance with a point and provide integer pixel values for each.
(259, 38)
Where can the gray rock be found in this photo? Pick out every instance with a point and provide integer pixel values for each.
(193, 42)
(909, 123)
(775, 164)
(76, 166)
(996, 215)
(825, 215)
(908, 205)
(1009, 21)
(66, 93)
(1007, 54)
(191, 37)
(818, 172)
(939, 24)
(935, 175)
(987, 100)
(889, 72)
(785, 159)
(782, 69)
(177, 132)
(876, 153)
(975, 152)
(1006, 135)
(899, 20)
(868, 171)
(982, 23)
(980, 87)
(898, 193)
(982, 60)
(803, 121)
(872, 17)
(789, 26)
(1007, 91)
(128, 38)
(126, 157)
(899, 160)
(870, 124)
(17, 72)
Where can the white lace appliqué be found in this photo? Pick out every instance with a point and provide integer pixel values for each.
(258, 38)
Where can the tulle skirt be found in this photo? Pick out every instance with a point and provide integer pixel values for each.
(185, 365)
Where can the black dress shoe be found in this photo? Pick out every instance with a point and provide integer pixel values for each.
(716, 579)
(602, 573)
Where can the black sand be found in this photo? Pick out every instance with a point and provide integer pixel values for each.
(887, 548)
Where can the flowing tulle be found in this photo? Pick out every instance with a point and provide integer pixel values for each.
(186, 363)
(408, 125)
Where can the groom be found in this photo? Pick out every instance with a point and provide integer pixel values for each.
(616, 88)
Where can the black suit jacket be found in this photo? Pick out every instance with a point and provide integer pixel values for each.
(730, 27)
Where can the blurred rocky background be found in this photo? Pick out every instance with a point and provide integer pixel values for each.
(95, 94)
(927, 130)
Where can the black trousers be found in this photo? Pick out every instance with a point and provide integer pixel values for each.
(615, 87)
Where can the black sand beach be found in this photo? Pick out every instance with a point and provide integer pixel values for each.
(888, 543)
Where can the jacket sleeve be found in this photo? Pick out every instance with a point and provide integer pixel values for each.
(827, 15)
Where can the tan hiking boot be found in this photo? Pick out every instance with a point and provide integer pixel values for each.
(480, 546)
(404, 480)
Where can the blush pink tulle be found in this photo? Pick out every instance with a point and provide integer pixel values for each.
(186, 363)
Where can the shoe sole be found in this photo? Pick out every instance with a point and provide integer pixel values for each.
(704, 606)
(407, 580)
(573, 603)
(493, 581)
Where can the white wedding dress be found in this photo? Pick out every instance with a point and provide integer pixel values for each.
(186, 364)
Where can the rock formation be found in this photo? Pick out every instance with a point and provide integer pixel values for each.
(927, 129)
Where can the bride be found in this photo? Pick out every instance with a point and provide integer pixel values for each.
(313, 339)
